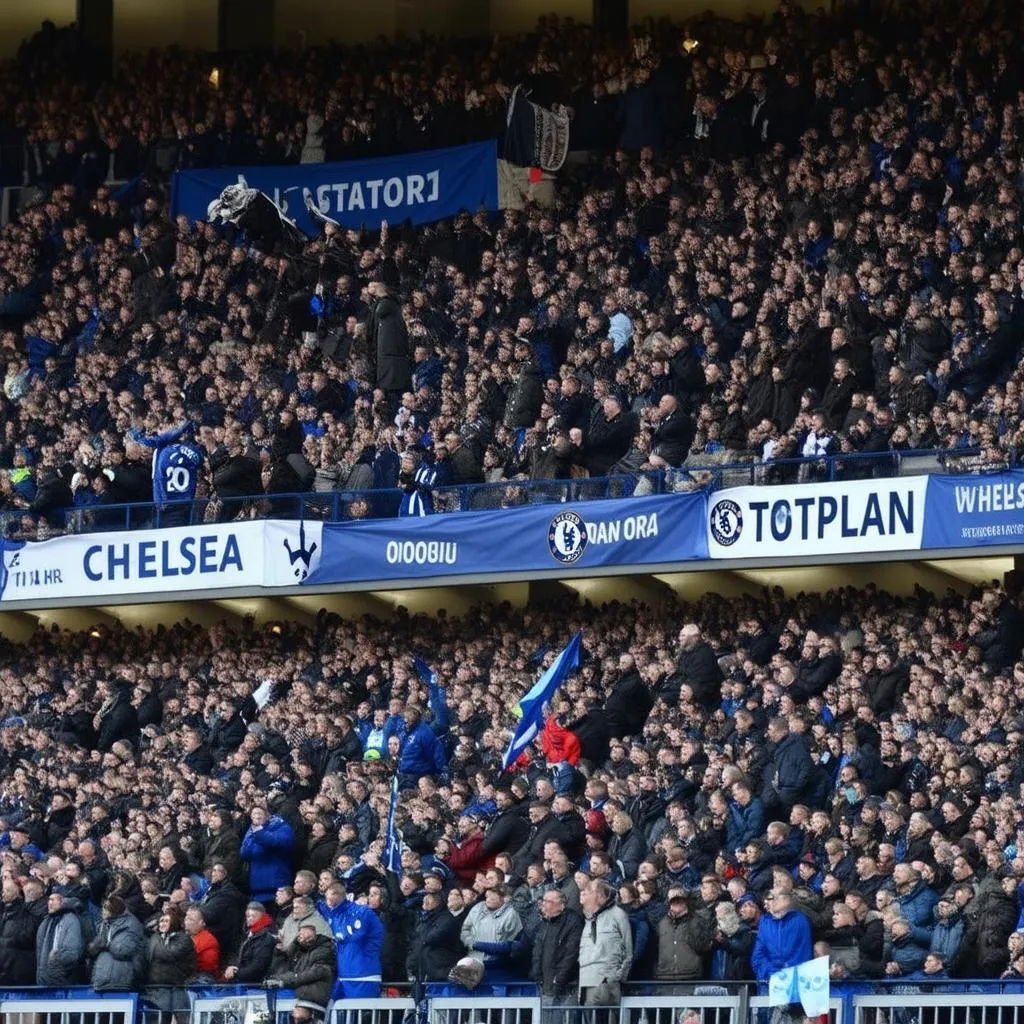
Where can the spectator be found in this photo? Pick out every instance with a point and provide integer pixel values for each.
(60, 947)
(171, 963)
(118, 951)
(268, 849)
(308, 969)
(684, 941)
(606, 947)
(207, 948)
(256, 953)
(783, 937)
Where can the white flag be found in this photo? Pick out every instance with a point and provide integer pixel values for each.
(806, 984)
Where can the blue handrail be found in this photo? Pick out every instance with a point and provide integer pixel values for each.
(341, 506)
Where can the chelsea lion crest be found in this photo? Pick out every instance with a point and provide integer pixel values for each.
(726, 522)
(567, 537)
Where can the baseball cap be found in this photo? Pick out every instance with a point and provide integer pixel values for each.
(676, 894)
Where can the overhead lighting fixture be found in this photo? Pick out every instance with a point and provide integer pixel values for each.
(689, 44)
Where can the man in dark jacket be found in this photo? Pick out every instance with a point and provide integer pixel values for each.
(787, 776)
(673, 434)
(222, 846)
(684, 940)
(309, 969)
(388, 339)
(699, 667)
(630, 702)
(60, 946)
(556, 950)
(256, 953)
(116, 719)
(222, 907)
(509, 830)
(17, 938)
(527, 391)
(435, 946)
(235, 475)
(610, 437)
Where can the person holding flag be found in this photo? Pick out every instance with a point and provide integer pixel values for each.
(540, 695)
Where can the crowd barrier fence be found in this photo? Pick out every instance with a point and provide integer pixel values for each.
(892, 1001)
(337, 506)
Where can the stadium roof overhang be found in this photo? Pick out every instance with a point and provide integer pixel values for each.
(897, 572)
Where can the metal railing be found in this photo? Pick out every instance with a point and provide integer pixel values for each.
(888, 1001)
(343, 505)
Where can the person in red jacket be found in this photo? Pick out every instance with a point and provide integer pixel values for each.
(558, 743)
(207, 946)
(468, 857)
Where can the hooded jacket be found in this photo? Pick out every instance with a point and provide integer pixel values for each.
(683, 942)
(268, 852)
(121, 949)
(310, 971)
(60, 948)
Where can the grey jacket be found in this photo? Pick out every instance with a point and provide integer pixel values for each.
(606, 948)
(290, 928)
(120, 949)
(60, 949)
(483, 925)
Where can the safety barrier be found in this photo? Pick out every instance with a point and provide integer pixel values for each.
(339, 506)
(367, 1011)
(91, 1009)
(910, 1001)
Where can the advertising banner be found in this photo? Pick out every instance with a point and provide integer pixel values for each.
(856, 516)
(420, 187)
(973, 511)
(632, 531)
(174, 560)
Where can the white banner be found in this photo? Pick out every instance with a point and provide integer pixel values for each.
(160, 562)
(863, 516)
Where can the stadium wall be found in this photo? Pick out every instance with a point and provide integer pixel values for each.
(142, 24)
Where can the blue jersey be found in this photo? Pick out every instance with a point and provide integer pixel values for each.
(176, 465)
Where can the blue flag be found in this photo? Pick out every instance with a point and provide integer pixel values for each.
(392, 842)
(532, 705)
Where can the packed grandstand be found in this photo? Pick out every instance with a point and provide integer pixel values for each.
(793, 238)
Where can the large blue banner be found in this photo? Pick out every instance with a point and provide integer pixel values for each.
(420, 187)
(591, 534)
(974, 511)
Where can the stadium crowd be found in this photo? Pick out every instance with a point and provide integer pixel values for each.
(719, 791)
(795, 238)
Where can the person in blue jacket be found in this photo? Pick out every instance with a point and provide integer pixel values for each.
(268, 848)
(359, 935)
(746, 817)
(783, 937)
(421, 753)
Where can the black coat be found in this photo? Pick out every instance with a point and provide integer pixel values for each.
(556, 954)
(255, 956)
(628, 705)
(311, 972)
(524, 398)
(224, 910)
(507, 833)
(608, 441)
(17, 944)
(238, 476)
(224, 847)
(172, 959)
(701, 672)
(435, 947)
(119, 723)
(389, 340)
(672, 437)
